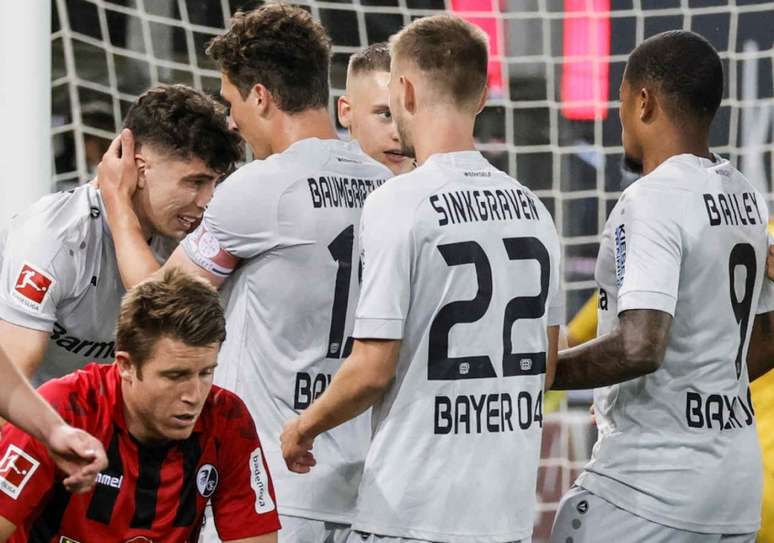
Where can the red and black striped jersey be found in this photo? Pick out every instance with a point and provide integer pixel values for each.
(147, 493)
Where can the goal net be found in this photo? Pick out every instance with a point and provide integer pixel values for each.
(551, 120)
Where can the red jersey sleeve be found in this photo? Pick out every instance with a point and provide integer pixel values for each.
(243, 504)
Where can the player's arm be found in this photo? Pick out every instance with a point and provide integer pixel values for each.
(266, 538)
(7, 528)
(24, 346)
(770, 263)
(634, 348)
(553, 355)
(358, 384)
(760, 355)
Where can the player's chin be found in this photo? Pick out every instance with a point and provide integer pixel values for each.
(177, 430)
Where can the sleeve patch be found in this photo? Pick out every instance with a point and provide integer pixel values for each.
(620, 254)
(32, 287)
(16, 469)
(259, 480)
(203, 248)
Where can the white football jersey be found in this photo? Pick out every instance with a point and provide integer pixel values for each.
(59, 274)
(678, 446)
(461, 263)
(292, 221)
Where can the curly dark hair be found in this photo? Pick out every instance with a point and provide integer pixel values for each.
(685, 68)
(281, 47)
(186, 123)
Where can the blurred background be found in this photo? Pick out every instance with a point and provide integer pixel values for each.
(551, 120)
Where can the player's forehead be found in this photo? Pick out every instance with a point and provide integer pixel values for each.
(369, 86)
(173, 354)
(182, 166)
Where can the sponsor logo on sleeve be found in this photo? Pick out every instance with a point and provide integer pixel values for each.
(259, 480)
(207, 480)
(620, 254)
(16, 469)
(32, 286)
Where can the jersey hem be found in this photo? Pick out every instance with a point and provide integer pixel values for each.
(591, 481)
(439, 537)
(381, 328)
(311, 514)
(646, 299)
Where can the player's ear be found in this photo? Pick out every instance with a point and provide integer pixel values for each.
(261, 99)
(409, 95)
(344, 110)
(125, 366)
(647, 103)
(142, 166)
(482, 99)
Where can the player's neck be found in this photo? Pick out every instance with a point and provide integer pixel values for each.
(450, 132)
(142, 217)
(312, 123)
(671, 143)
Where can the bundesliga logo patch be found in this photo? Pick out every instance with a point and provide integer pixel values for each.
(16, 469)
(32, 287)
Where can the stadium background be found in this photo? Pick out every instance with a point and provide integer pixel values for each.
(551, 120)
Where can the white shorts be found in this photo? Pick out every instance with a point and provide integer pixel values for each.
(584, 517)
(294, 530)
(306, 530)
(362, 537)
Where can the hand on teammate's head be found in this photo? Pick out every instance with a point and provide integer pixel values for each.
(79, 455)
(296, 451)
(117, 174)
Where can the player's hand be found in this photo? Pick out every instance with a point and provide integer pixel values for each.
(117, 175)
(770, 263)
(296, 451)
(78, 454)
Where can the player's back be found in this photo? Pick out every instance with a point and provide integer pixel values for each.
(678, 446)
(291, 304)
(456, 437)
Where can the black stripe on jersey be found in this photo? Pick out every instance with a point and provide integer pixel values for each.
(186, 511)
(46, 526)
(150, 460)
(103, 501)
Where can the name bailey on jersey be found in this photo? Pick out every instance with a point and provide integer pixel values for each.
(732, 209)
(333, 191)
(463, 206)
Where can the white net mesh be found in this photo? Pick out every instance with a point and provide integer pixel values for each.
(551, 120)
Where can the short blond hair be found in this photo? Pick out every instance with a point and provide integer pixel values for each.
(452, 51)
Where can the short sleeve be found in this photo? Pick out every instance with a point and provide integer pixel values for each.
(244, 504)
(36, 275)
(555, 306)
(386, 247)
(648, 252)
(242, 215)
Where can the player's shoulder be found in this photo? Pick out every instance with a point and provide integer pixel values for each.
(60, 219)
(224, 410)
(83, 394)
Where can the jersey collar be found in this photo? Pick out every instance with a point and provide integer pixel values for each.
(460, 159)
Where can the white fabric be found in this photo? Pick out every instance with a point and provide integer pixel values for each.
(678, 446)
(65, 237)
(430, 476)
(293, 220)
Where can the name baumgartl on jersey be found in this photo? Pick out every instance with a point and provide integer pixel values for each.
(333, 191)
(718, 411)
(732, 209)
(462, 206)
